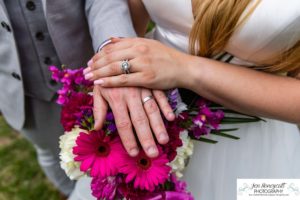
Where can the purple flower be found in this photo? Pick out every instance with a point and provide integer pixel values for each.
(173, 96)
(198, 132)
(216, 119)
(206, 119)
(110, 116)
(111, 128)
(105, 188)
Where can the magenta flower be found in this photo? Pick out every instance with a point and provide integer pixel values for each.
(145, 173)
(105, 188)
(174, 140)
(206, 120)
(98, 153)
(56, 73)
(76, 111)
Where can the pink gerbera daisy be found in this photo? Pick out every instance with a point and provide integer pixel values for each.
(99, 153)
(146, 173)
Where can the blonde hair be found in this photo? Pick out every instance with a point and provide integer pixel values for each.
(215, 22)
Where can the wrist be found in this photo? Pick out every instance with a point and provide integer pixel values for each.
(191, 72)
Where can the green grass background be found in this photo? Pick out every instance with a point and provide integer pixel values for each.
(20, 175)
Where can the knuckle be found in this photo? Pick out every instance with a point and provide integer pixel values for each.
(140, 119)
(96, 57)
(123, 125)
(123, 79)
(147, 141)
(149, 76)
(151, 107)
(114, 93)
(108, 58)
(142, 48)
(129, 144)
(96, 73)
(127, 141)
(114, 68)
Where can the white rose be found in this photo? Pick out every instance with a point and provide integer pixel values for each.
(67, 163)
(180, 107)
(183, 154)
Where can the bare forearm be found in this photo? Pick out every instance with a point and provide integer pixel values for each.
(239, 88)
(245, 90)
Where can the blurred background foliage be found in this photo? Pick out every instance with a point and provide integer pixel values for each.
(21, 177)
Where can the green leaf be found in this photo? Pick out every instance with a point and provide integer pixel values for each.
(225, 135)
(236, 120)
(224, 130)
(205, 140)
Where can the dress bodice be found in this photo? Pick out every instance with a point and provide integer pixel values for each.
(273, 27)
(267, 149)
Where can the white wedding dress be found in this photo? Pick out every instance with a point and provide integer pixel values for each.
(268, 149)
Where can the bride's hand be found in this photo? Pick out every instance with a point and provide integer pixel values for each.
(152, 65)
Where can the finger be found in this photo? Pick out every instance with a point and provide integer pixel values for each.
(124, 128)
(154, 117)
(100, 108)
(123, 80)
(164, 104)
(118, 55)
(141, 125)
(112, 69)
(126, 54)
(114, 45)
(123, 50)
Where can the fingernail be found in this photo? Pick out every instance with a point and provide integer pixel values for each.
(163, 137)
(98, 82)
(86, 70)
(134, 152)
(88, 76)
(152, 151)
(90, 62)
(171, 115)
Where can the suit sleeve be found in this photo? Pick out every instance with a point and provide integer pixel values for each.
(108, 18)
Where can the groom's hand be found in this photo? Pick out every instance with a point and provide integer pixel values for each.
(129, 111)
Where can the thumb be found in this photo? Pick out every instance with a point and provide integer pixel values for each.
(100, 108)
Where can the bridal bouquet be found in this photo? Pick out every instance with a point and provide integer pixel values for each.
(101, 155)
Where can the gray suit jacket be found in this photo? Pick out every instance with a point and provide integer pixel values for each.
(77, 28)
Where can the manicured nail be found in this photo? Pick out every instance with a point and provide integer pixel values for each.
(163, 137)
(90, 62)
(98, 82)
(87, 70)
(88, 76)
(134, 152)
(152, 151)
